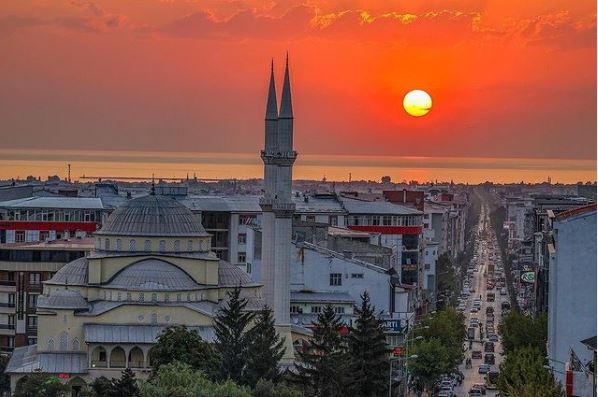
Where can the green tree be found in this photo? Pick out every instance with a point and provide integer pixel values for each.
(126, 385)
(448, 327)
(368, 362)
(233, 338)
(431, 363)
(519, 330)
(181, 380)
(266, 388)
(448, 284)
(522, 374)
(265, 350)
(178, 343)
(320, 370)
(102, 386)
(40, 384)
(4, 378)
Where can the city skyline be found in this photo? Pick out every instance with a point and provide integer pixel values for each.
(189, 76)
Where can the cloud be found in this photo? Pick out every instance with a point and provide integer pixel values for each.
(90, 6)
(11, 23)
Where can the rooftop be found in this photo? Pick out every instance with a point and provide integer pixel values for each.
(576, 211)
(152, 274)
(74, 244)
(54, 202)
(354, 206)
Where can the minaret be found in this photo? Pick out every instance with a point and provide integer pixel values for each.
(277, 207)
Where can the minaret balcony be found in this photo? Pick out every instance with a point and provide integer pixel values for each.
(283, 210)
(266, 203)
(279, 158)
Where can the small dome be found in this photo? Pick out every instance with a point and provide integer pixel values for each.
(151, 275)
(62, 299)
(73, 273)
(153, 215)
(230, 275)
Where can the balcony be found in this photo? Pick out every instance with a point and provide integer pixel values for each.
(8, 283)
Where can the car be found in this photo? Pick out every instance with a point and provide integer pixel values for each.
(483, 369)
(448, 390)
(480, 386)
(476, 354)
(445, 393)
(474, 310)
(446, 382)
(493, 338)
(503, 291)
(489, 359)
(489, 347)
(475, 393)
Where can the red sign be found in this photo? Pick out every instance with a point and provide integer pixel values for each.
(64, 376)
(388, 229)
(44, 226)
(397, 351)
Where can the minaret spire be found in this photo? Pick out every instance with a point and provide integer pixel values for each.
(271, 107)
(286, 105)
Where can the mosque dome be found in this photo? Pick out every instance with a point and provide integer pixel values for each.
(62, 299)
(152, 275)
(153, 216)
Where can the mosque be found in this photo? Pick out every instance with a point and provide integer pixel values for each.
(152, 267)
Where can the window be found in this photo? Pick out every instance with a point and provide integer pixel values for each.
(248, 267)
(316, 309)
(356, 275)
(246, 219)
(242, 257)
(375, 220)
(333, 220)
(50, 344)
(76, 345)
(242, 238)
(31, 321)
(107, 244)
(310, 218)
(386, 220)
(32, 301)
(336, 279)
(35, 278)
(20, 236)
(339, 310)
(119, 244)
(11, 320)
(147, 245)
(296, 309)
(177, 245)
(190, 245)
(166, 298)
(154, 297)
(141, 297)
(129, 297)
(11, 300)
(132, 247)
(162, 245)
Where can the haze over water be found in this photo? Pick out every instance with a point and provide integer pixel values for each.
(21, 163)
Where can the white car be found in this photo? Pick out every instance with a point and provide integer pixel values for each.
(503, 291)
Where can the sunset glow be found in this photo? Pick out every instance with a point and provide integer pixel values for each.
(417, 103)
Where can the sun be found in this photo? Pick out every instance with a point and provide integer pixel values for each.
(417, 103)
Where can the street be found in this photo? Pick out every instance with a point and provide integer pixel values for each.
(480, 272)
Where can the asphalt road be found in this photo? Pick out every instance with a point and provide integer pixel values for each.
(483, 249)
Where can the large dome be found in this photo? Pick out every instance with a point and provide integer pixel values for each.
(153, 215)
(152, 274)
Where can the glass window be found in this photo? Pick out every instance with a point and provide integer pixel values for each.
(107, 244)
(242, 257)
(132, 245)
(35, 278)
(242, 238)
(162, 245)
(295, 309)
(339, 310)
(147, 245)
(177, 245)
(190, 245)
(356, 275)
(119, 245)
(333, 220)
(32, 301)
(336, 279)
(316, 309)
(141, 297)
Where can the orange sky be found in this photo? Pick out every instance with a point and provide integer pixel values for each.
(508, 78)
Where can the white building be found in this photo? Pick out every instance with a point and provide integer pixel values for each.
(572, 290)
(430, 281)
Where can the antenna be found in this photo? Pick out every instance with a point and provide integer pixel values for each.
(69, 178)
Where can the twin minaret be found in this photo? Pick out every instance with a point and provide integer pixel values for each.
(278, 156)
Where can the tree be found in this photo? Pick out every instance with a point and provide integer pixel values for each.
(4, 378)
(448, 284)
(265, 350)
(181, 380)
(266, 388)
(522, 374)
(448, 327)
(321, 363)
(368, 362)
(232, 336)
(431, 362)
(102, 386)
(126, 385)
(177, 343)
(520, 330)
(40, 384)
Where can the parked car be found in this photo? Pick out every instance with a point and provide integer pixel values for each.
(476, 354)
(493, 338)
(484, 369)
(489, 347)
(503, 291)
(489, 359)
(480, 386)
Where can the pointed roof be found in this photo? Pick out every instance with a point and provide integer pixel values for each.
(286, 105)
(271, 107)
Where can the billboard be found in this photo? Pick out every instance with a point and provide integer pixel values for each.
(528, 277)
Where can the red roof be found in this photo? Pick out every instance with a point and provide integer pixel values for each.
(576, 211)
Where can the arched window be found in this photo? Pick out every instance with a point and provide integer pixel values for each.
(107, 244)
(117, 358)
(162, 245)
(136, 359)
(76, 345)
(132, 247)
(154, 297)
(154, 318)
(98, 357)
(190, 245)
(50, 344)
(119, 244)
(147, 245)
(141, 297)
(177, 245)
(64, 341)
